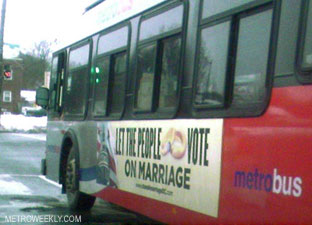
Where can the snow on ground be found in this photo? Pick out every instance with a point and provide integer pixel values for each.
(37, 136)
(9, 186)
(21, 123)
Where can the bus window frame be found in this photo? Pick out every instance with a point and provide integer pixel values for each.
(53, 86)
(110, 54)
(82, 116)
(157, 112)
(227, 13)
(56, 110)
(152, 107)
(59, 109)
(303, 75)
(235, 15)
(230, 61)
(102, 57)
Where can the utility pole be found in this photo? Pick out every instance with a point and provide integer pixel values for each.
(1, 44)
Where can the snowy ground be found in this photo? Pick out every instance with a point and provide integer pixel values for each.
(21, 123)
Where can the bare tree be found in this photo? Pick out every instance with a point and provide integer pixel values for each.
(36, 62)
(42, 50)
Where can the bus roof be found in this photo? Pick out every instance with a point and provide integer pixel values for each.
(104, 14)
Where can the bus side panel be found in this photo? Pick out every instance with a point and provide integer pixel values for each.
(266, 169)
(55, 133)
(86, 133)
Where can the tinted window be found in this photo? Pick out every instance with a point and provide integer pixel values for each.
(118, 83)
(167, 21)
(213, 52)
(53, 72)
(76, 91)
(79, 57)
(53, 80)
(145, 77)
(101, 86)
(307, 51)
(77, 80)
(252, 58)
(169, 72)
(287, 38)
(212, 7)
(114, 40)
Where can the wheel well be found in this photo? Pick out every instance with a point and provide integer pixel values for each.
(66, 146)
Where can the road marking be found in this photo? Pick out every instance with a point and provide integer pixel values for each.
(10, 176)
(18, 175)
(33, 136)
(50, 181)
(10, 186)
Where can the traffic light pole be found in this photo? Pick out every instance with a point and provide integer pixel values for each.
(3, 9)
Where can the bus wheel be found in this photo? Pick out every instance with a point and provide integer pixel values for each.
(76, 200)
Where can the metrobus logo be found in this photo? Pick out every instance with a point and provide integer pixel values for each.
(276, 183)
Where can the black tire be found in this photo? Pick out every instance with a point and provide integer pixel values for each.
(77, 201)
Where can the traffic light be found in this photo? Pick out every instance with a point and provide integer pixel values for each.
(7, 73)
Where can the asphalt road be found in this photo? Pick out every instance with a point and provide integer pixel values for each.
(26, 197)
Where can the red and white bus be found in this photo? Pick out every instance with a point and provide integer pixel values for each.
(189, 112)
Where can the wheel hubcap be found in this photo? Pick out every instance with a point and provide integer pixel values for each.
(70, 176)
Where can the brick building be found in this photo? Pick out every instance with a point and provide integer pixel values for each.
(11, 87)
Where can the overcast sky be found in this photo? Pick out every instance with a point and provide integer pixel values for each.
(30, 21)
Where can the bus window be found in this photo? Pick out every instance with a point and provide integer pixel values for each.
(169, 74)
(145, 77)
(307, 49)
(244, 39)
(53, 83)
(118, 82)
(212, 65)
(110, 83)
(212, 7)
(111, 73)
(287, 38)
(101, 86)
(113, 40)
(77, 79)
(159, 60)
(162, 23)
(252, 58)
(60, 81)
(57, 83)
(79, 57)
